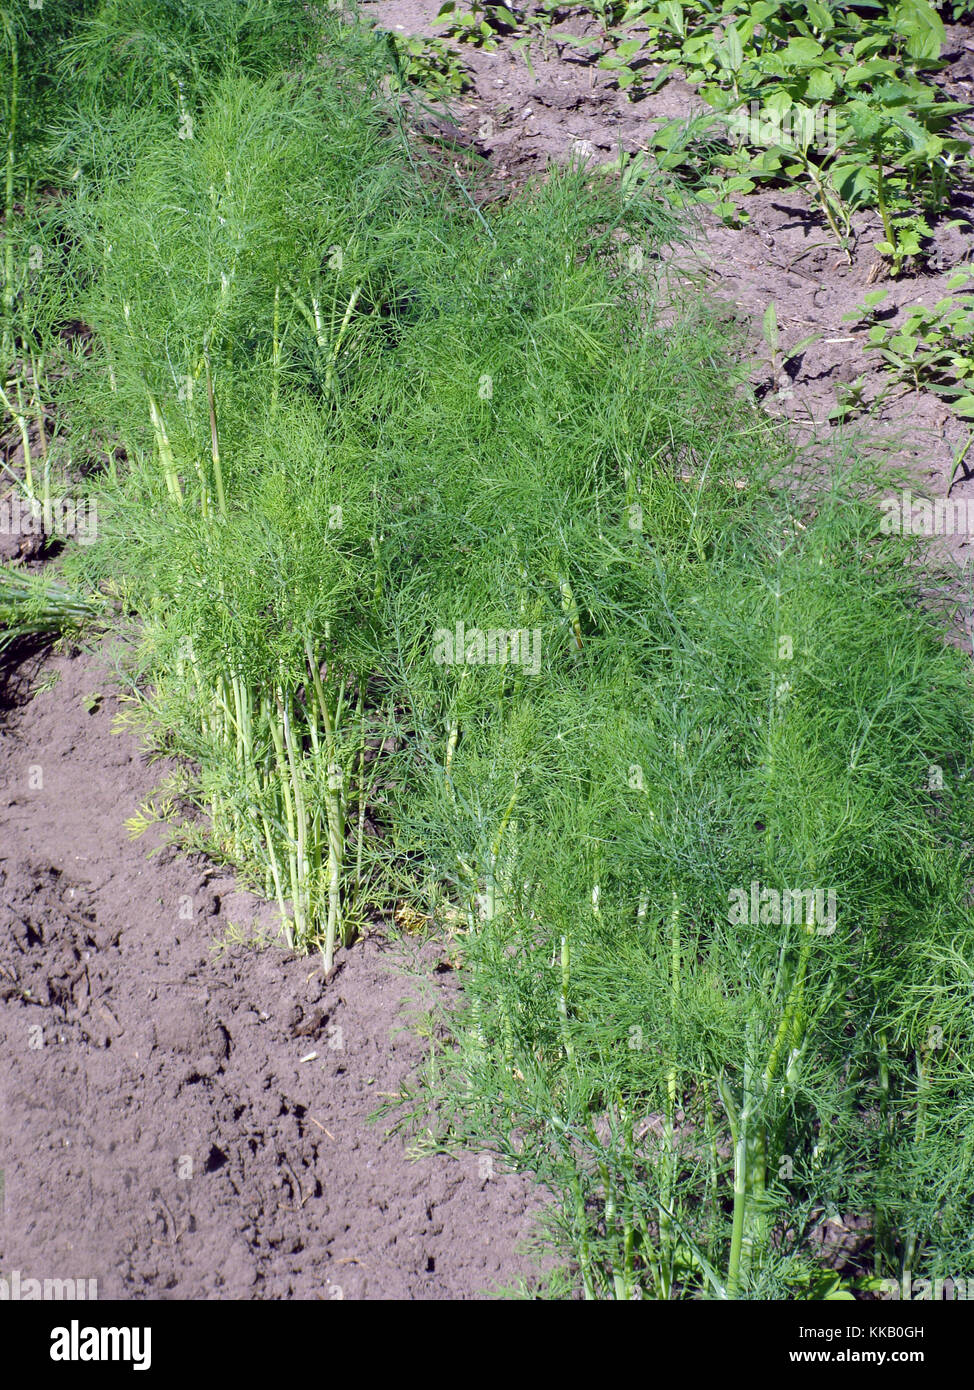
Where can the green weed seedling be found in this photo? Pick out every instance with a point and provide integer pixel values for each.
(776, 359)
(837, 101)
(430, 64)
(931, 348)
(479, 25)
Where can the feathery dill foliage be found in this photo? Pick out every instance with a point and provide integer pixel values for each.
(126, 51)
(32, 96)
(761, 704)
(731, 691)
(345, 412)
(31, 605)
(265, 298)
(235, 279)
(736, 687)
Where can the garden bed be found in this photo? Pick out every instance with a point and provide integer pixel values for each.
(443, 594)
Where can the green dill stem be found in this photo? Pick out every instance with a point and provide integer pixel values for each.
(36, 369)
(919, 1133)
(669, 1127)
(333, 811)
(31, 604)
(628, 1231)
(276, 351)
(565, 981)
(750, 1170)
(887, 1125)
(17, 414)
(451, 748)
(360, 841)
(609, 1204)
(245, 725)
(109, 358)
(755, 1221)
(791, 1014)
(165, 451)
(739, 1140)
(300, 805)
(214, 439)
(8, 202)
(283, 782)
(490, 887)
(624, 1284)
(756, 1136)
(453, 737)
(319, 325)
(584, 1258)
(329, 373)
(710, 1130)
(570, 608)
(336, 841)
(278, 885)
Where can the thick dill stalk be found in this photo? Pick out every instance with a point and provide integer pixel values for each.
(8, 199)
(669, 1123)
(334, 810)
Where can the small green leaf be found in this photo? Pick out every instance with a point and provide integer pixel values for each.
(866, 72)
(731, 51)
(800, 346)
(674, 13)
(821, 84)
(820, 15)
(771, 327)
(778, 102)
(800, 52)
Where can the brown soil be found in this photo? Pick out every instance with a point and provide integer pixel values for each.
(181, 1120)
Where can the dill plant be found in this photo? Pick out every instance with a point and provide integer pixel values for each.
(705, 1091)
(739, 688)
(235, 281)
(125, 53)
